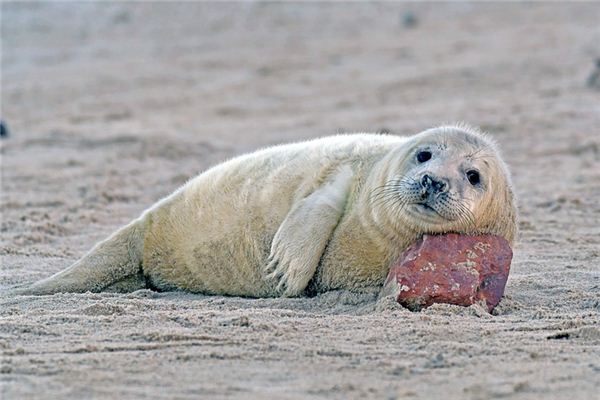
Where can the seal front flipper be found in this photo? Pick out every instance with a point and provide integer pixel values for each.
(301, 239)
(113, 264)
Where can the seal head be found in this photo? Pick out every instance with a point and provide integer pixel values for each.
(447, 179)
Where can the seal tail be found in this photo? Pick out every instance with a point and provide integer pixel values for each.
(113, 264)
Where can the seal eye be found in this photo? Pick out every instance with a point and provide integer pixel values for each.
(473, 177)
(423, 156)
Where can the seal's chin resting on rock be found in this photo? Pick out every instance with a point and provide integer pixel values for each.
(331, 213)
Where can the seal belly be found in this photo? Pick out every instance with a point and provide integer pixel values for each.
(214, 235)
(191, 248)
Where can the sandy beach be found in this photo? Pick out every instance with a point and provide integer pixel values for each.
(111, 106)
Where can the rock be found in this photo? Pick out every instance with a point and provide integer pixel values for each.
(3, 129)
(409, 19)
(451, 268)
(593, 81)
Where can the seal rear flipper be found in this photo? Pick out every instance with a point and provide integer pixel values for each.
(113, 265)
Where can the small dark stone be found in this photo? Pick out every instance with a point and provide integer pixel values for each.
(559, 336)
(409, 19)
(122, 17)
(3, 129)
(593, 81)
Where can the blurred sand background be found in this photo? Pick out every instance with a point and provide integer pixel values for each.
(111, 106)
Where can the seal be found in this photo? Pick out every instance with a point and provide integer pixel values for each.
(301, 218)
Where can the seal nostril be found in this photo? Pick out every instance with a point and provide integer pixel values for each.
(426, 181)
(433, 184)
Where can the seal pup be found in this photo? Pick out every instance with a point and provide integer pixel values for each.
(330, 213)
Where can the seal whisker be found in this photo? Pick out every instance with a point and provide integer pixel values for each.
(384, 196)
(465, 215)
(388, 191)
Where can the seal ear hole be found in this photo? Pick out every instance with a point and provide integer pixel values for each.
(423, 156)
(473, 177)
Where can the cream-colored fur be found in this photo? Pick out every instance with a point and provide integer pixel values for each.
(285, 219)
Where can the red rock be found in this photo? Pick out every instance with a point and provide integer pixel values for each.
(451, 268)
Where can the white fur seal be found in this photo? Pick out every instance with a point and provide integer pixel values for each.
(331, 213)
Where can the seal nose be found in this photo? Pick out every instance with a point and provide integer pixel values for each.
(432, 184)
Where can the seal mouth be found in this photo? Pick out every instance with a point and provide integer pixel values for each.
(428, 210)
(427, 207)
